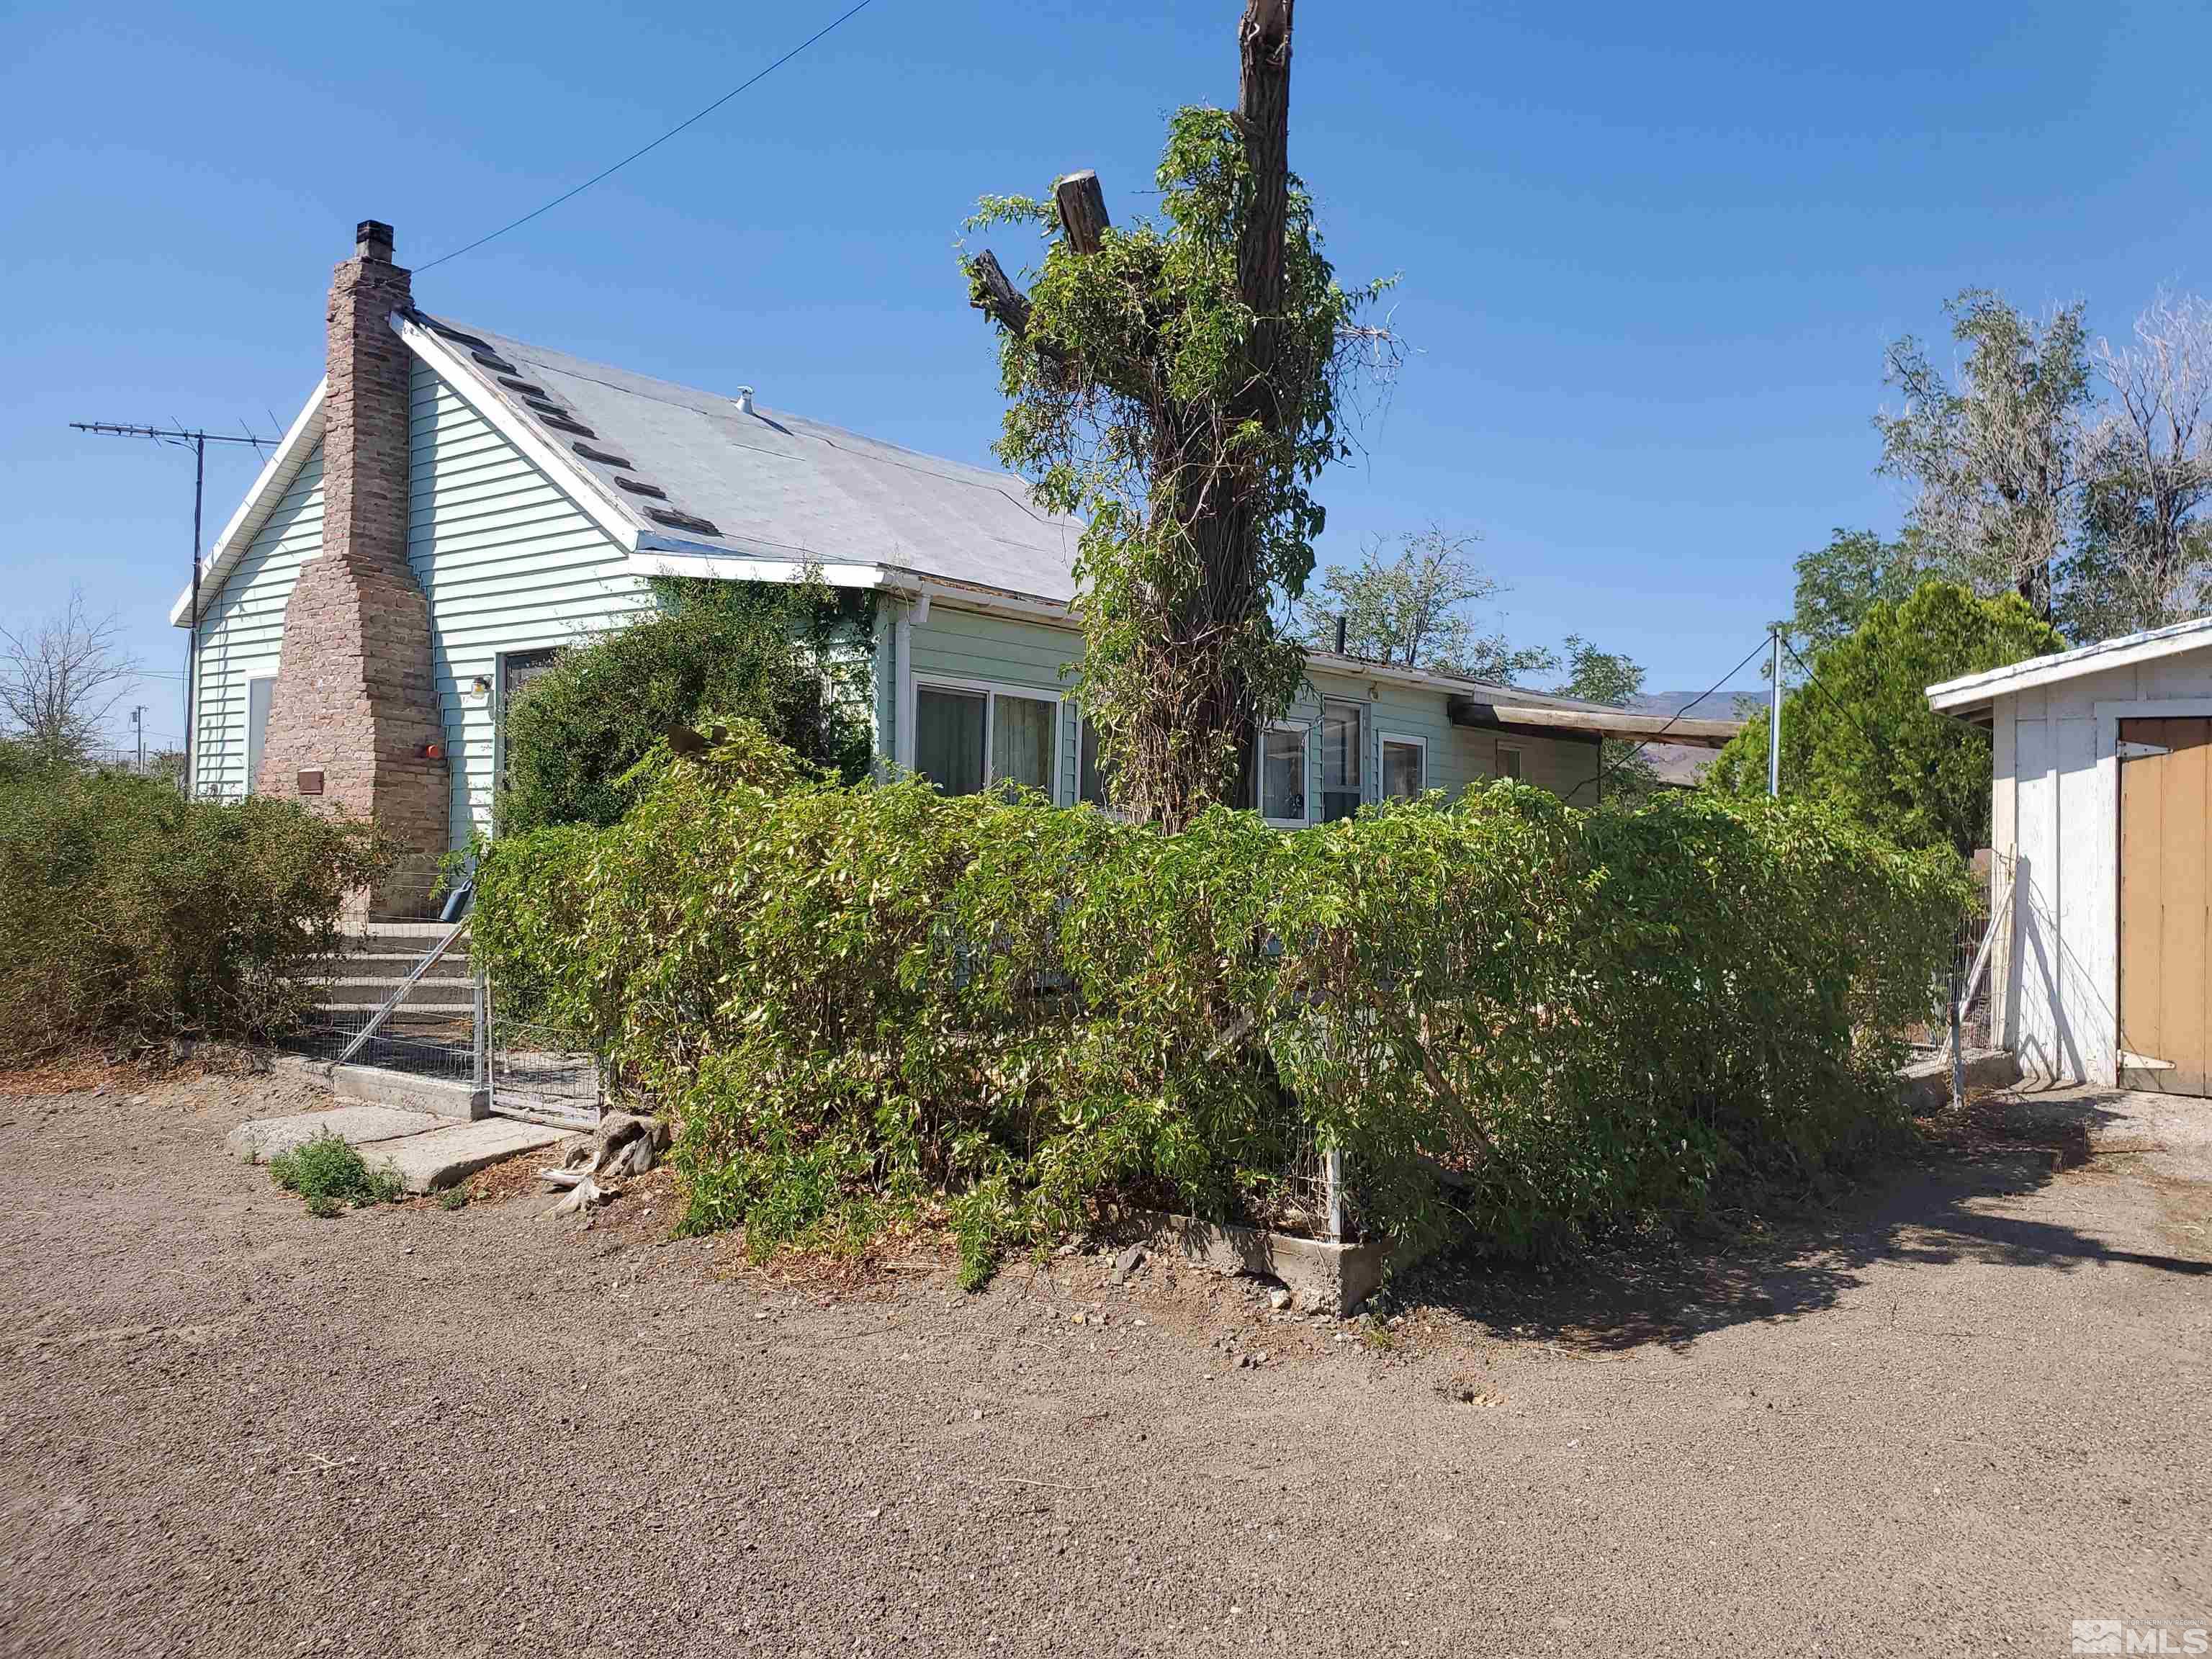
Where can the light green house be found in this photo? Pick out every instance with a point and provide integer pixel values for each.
(543, 492)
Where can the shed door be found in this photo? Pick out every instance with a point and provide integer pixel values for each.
(2166, 927)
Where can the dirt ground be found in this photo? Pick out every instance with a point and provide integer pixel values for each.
(1952, 1418)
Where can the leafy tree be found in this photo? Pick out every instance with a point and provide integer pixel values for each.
(2145, 555)
(787, 656)
(1996, 465)
(1411, 608)
(1838, 583)
(1859, 734)
(1608, 677)
(1177, 382)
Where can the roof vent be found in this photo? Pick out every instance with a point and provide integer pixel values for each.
(745, 400)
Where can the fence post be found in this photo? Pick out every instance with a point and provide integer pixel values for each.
(480, 1008)
(1958, 1037)
(1333, 1172)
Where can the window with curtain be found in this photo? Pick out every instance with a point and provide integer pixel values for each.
(1022, 747)
(948, 738)
(1405, 768)
(1283, 776)
(1343, 740)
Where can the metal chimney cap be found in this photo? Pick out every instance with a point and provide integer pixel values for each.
(745, 400)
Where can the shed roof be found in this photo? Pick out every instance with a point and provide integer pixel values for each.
(1973, 695)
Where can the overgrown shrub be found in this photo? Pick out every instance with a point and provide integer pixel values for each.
(866, 1001)
(794, 657)
(126, 909)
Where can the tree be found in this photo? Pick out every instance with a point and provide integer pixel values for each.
(1608, 677)
(1410, 608)
(1859, 733)
(778, 654)
(1177, 382)
(60, 680)
(1997, 466)
(2146, 556)
(1838, 583)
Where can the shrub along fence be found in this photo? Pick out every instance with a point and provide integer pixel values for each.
(863, 1003)
(126, 909)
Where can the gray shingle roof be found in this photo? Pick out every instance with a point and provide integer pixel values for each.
(777, 485)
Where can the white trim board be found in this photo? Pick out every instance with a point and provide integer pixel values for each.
(2125, 651)
(262, 498)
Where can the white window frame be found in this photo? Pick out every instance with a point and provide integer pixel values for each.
(991, 691)
(1404, 740)
(1520, 774)
(1304, 729)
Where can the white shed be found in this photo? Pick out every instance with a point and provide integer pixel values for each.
(2101, 818)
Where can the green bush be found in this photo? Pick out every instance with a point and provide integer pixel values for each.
(869, 1003)
(330, 1175)
(796, 659)
(126, 909)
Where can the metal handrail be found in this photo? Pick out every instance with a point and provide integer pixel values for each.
(413, 979)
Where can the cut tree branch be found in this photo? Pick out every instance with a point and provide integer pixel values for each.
(1082, 203)
(992, 291)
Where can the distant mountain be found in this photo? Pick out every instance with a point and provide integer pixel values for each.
(1732, 704)
(1679, 765)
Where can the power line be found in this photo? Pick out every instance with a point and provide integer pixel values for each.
(1660, 735)
(1831, 696)
(691, 121)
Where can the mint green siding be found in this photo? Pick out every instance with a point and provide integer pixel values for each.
(510, 564)
(242, 628)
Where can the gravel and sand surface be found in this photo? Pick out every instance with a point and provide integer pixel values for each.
(1950, 1418)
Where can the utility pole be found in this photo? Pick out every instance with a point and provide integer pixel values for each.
(138, 720)
(199, 441)
(1774, 723)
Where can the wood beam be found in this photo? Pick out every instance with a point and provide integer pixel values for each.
(1538, 721)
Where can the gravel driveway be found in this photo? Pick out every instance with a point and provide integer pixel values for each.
(1953, 1418)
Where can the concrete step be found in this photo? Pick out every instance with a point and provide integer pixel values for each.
(374, 987)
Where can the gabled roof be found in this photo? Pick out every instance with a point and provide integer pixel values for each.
(752, 483)
(1973, 693)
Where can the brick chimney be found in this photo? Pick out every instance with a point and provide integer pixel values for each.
(354, 724)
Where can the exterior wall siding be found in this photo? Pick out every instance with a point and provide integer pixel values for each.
(2056, 809)
(241, 632)
(510, 564)
(964, 646)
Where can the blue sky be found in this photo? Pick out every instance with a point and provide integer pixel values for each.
(1650, 257)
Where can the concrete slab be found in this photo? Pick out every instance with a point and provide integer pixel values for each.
(1322, 1276)
(454, 1151)
(375, 1086)
(259, 1140)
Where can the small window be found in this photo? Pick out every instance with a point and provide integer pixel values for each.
(259, 694)
(1509, 761)
(1405, 768)
(948, 738)
(1283, 774)
(1343, 730)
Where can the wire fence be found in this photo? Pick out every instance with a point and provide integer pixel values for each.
(1962, 1006)
(424, 1014)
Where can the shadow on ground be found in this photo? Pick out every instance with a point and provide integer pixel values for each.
(2005, 1145)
